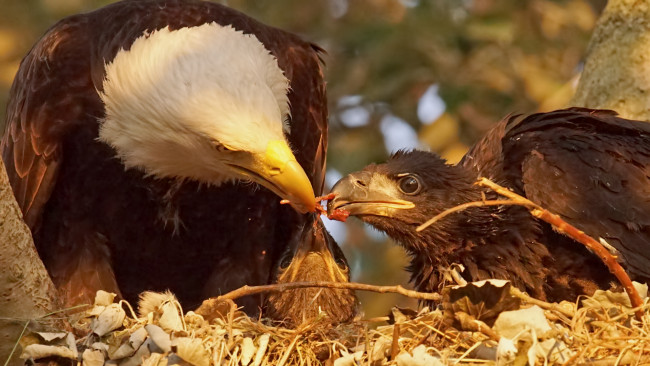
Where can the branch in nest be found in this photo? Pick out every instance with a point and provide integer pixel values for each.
(542, 304)
(252, 290)
(559, 225)
(468, 322)
(465, 206)
(571, 231)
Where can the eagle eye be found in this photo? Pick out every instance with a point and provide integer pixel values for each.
(410, 185)
(221, 147)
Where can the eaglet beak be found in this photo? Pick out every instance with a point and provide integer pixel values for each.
(366, 193)
(278, 170)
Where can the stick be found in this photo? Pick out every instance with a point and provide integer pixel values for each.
(542, 304)
(394, 346)
(465, 206)
(252, 290)
(571, 231)
(468, 322)
(16, 344)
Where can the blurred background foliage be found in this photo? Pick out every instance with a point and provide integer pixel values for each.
(433, 74)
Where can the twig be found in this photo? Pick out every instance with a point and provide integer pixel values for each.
(252, 290)
(571, 231)
(467, 352)
(394, 345)
(286, 354)
(468, 322)
(542, 304)
(27, 323)
(66, 309)
(16, 344)
(465, 206)
(560, 225)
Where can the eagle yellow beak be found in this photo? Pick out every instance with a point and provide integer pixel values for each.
(278, 170)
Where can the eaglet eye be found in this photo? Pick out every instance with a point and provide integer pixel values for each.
(286, 260)
(340, 262)
(410, 185)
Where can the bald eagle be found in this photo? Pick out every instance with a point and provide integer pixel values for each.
(588, 166)
(148, 144)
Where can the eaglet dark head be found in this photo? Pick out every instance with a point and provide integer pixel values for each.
(313, 256)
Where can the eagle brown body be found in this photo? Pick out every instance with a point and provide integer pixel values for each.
(588, 166)
(96, 224)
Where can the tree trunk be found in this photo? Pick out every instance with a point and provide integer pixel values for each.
(617, 71)
(26, 290)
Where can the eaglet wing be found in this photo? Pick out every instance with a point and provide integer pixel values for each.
(593, 169)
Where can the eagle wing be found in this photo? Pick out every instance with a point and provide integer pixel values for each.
(47, 99)
(591, 168)
(307, 97)
(54, 100)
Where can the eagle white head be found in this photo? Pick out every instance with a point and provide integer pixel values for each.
(207, 103)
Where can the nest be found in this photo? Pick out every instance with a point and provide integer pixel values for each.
(486, 322)
(482, 323)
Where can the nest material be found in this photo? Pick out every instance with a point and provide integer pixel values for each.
(473, 329)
